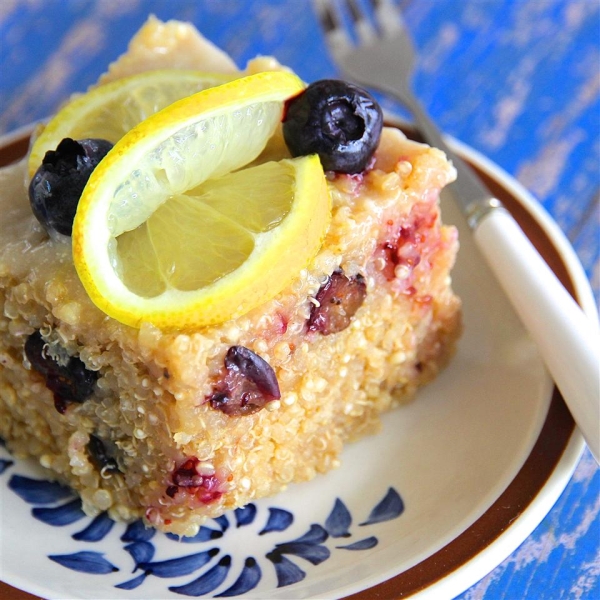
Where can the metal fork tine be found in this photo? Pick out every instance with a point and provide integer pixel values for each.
(364, 30)
(326, 16)
(339, 41)
(354, 10)
(388, 16)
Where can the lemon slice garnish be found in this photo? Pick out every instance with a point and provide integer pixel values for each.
(110, 111)
(171, 228)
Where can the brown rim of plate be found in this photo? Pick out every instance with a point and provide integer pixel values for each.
(535, 472)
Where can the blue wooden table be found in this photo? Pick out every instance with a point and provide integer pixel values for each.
(519, 80)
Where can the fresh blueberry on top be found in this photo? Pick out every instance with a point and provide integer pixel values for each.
(57, 185)
(338, 121)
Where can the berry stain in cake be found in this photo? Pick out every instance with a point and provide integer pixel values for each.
(403, 249)
(193, 478)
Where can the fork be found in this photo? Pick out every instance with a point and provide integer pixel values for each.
(382, 58)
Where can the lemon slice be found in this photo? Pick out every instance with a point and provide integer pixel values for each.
(171, 228)
(110, 111)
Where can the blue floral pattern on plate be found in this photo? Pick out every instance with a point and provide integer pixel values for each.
(212, 570)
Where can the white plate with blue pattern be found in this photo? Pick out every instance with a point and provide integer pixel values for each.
(410, 510)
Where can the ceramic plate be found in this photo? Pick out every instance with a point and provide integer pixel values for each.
(450, 487)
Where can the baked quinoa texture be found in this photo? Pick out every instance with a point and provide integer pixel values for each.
(177, 427)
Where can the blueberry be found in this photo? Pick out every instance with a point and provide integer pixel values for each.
(336, 120)
(67, 379)
(57, 185)
(253, 367)
(337, 302)
(248, 384)
(99, 455)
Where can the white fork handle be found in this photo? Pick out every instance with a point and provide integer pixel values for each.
(568, 342)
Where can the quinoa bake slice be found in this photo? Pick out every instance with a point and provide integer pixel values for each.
(178, 427)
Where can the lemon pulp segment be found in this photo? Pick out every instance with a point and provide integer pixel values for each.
(170, 158)
(175, 248)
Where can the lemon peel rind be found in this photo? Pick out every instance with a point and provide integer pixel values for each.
(81, 105)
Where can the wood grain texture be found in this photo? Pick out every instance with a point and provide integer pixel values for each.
(519, 80)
